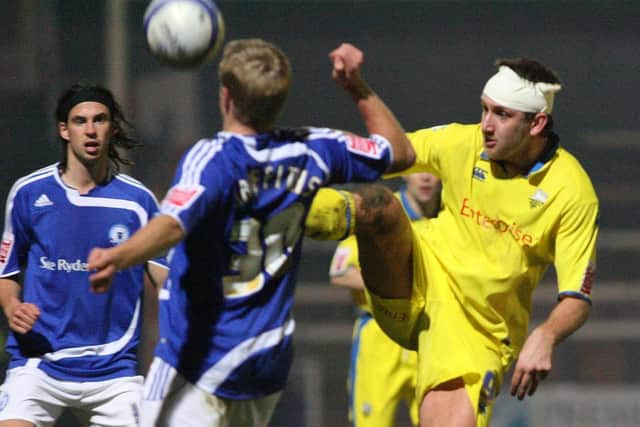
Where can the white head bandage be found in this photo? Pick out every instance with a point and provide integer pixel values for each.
(510, 90)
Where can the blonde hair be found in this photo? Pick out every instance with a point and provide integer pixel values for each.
(257, 75)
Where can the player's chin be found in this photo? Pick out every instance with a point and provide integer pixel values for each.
(494, 153)
(91, 158)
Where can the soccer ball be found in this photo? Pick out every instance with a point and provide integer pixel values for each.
(183, 33)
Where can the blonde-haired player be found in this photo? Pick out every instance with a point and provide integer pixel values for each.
(382, 373)
(460, 289)
(234, 218)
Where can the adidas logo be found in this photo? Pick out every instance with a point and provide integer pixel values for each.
(43, 200)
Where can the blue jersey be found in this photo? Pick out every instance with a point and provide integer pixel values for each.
(225, 311)
(49, 230)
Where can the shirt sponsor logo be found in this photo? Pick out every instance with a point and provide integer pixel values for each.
(42, 201)
(538, 198)
(364, 146)
(479, 174)
(63, 265)
(497, 224)
(181, 196)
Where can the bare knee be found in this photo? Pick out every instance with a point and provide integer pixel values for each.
(377, 210)
(447, 405)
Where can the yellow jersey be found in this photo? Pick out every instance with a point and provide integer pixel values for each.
(496, 236)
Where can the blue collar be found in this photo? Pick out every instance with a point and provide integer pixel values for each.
(413, 215)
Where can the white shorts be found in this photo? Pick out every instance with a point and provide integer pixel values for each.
(30, 394)
(170, 400)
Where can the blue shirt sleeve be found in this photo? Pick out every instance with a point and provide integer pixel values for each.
(196, 187)
(352, 158)
(15, 238)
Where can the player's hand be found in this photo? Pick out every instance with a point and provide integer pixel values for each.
(347, 60)
(533, 365)
(22, 316)
(102, 263)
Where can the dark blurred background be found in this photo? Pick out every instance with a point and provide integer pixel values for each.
(429, 61)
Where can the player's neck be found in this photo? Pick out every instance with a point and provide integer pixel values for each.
(430, 209)
(522, 165)
(231, 125)
(83, 177)
(426, 209)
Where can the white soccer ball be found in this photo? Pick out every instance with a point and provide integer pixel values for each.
(183, 33)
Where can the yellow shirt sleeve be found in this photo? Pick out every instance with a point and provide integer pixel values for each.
(576, 251)
(436, 148)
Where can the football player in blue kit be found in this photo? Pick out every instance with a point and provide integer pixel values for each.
(70, 347)
(236, 212)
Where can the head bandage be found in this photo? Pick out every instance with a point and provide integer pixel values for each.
(510, 90)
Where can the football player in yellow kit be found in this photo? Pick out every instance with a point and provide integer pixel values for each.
(459, 288)
(382, 373)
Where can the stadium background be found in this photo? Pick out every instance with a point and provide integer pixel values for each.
(429, 60)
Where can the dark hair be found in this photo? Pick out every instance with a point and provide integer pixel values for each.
(534, 71)
(122, 137)
(530, 69)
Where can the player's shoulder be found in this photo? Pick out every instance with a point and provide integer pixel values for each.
(569, 172)
(449, 130)
(454, 137)
(34, 179)
(200, 154)
(324, 133)
(331, 141)
(311, 136)
(132, 187)
(206, 148)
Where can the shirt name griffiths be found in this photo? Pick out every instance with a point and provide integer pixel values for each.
(290, 178)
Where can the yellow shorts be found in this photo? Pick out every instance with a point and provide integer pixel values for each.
(382, 375)
(449, 345)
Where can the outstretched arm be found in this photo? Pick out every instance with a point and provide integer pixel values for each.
(378, 119)
(535, 360)
(161, 233)
(20, 315)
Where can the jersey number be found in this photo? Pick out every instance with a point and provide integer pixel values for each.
(268, 248)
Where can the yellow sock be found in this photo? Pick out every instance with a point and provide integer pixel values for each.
(332, 215)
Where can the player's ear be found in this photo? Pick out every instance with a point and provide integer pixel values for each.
(538, 123)
(63, 131)
(225, 99)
